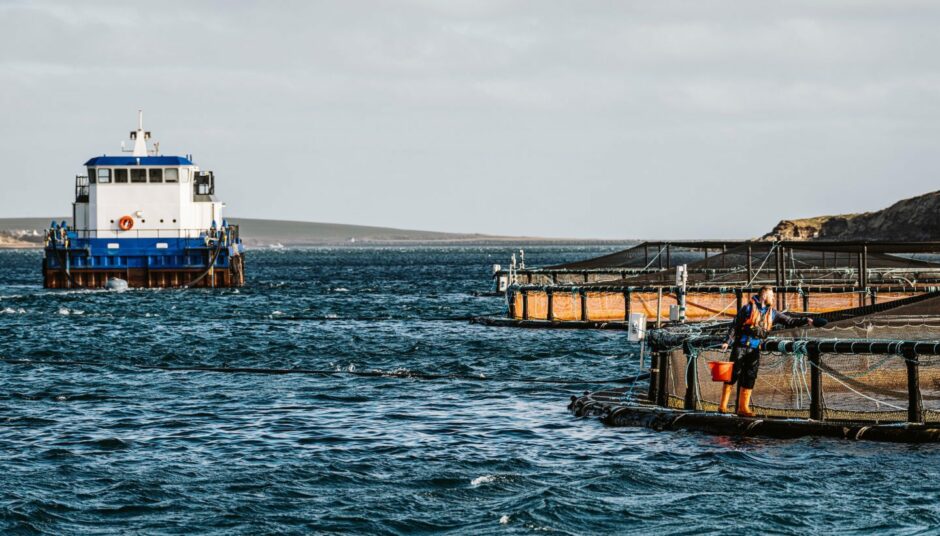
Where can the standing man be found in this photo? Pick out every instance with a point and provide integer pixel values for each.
(752, 325)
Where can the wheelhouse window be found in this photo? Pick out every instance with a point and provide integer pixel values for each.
(156, 175)
(171, 175)
(138, 175)
(104, 176)
(120, 175)
(91, 175)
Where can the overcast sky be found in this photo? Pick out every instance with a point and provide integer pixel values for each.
(568, 119)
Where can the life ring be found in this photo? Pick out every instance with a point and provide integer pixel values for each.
(126, 223)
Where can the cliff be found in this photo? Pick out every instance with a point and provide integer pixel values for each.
(917, 218)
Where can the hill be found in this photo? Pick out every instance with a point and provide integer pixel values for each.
(28, 232)
(914, 219)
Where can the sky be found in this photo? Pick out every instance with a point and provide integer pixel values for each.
(575, 119)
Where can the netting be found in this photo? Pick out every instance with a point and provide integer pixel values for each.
(810, 255)
(881, 365)
(854, 387)
(644, 255)
(916, 321)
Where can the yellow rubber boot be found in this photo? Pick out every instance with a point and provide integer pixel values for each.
(725, 397)
(744, 403)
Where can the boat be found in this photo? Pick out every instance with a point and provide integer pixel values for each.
(148, 219)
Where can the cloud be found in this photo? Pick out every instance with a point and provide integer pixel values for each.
(602, 119)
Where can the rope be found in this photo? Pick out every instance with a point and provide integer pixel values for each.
(658, 253)
(215, 257)
(875, 400)
(416, 375)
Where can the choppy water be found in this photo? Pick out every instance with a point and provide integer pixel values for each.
(111, 448)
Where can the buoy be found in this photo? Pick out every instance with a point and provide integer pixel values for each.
(721, 370)
(126, 223)
(114, 283)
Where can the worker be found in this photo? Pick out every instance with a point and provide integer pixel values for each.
(752, 325)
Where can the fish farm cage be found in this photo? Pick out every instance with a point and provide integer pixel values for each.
(871, 373)
(814, 277)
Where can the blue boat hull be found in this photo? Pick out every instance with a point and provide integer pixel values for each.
(143, 263)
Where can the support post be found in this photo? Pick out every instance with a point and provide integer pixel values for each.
(862, 295)
(815, 386)
(668, 256)
(805, 301)
(750, 263)
(511, 296)
(525, 305)
(691, 378)
(653, 393)
(777, 265)
(915, 404)
(627, 305)
(861, 271)
(865, 266)
(738, 299)
(659, 308)
(550, 298)
(663, 395)
(584, 308)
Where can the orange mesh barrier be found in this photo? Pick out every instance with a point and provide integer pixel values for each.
(701, 306)
(645, 302)
(538, 306)
(517, 305)
(605, 306)
(566, 306)
(891, 296)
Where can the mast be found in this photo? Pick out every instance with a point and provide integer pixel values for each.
(140, 137)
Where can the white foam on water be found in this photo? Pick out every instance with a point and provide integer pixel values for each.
(504, 520)
(480, 480)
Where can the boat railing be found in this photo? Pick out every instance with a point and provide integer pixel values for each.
(139, 233)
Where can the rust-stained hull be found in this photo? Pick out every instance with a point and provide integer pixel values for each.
(227, 277)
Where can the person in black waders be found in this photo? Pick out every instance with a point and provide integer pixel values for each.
(751, 325)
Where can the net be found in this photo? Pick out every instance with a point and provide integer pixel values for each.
(875, 364)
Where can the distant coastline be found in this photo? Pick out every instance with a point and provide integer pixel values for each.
(24, 233)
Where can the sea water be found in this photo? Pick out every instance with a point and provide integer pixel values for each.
(93, 441)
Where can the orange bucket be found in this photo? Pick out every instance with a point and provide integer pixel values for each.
(721, 370)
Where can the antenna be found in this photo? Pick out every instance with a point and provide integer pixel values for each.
(139, 136)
